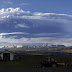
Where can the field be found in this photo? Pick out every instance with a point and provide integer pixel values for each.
(31, 63)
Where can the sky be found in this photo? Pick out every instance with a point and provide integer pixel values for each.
(35, 21)
(52, 6)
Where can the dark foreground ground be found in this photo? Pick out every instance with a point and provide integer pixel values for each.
(31, 63)
(38, 70)
(49, 69)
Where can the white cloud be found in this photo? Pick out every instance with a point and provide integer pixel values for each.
(1, 34)
(8, 2)
(47, 14)
(24, 4)
(22, 26)
(46, 34)
(10, 11)
(1, 37)
(18, 13)
(49, 40)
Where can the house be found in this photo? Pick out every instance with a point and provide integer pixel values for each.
(7, 55)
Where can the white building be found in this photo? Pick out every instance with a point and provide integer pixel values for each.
(7, 55)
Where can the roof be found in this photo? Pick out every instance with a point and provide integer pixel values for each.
(6, 51)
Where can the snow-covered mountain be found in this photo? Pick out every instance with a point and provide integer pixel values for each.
(19, 27)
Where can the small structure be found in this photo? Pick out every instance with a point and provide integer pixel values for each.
(7, 55)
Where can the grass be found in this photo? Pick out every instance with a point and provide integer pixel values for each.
(32, 61)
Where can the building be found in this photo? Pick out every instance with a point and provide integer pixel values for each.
(7, 55)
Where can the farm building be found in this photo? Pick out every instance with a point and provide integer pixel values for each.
(7, 55)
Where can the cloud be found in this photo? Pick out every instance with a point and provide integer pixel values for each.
(21, 26)
(24, 4)
(10, 11)
(8, 2)
(39, 21)
(1, 37)
(19, 13)
(47, 14)
(41, 18)
(1, 34)
(46, 34)
(49, 40)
